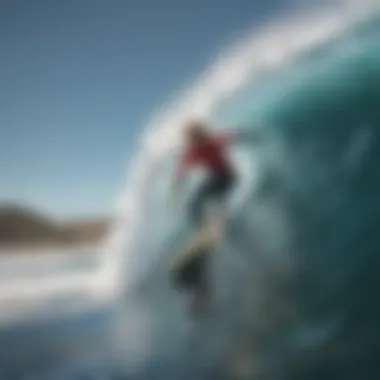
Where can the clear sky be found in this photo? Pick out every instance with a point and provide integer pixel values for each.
(79, 78)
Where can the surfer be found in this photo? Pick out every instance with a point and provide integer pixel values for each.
(207, 149)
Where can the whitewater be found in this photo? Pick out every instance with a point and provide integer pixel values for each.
(290, 281)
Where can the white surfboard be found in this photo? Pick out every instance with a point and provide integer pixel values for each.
(202, 241)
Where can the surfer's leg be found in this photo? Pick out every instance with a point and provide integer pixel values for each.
(214, 188)
(198, 204)
(223, 186)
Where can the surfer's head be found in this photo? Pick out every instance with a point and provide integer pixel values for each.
(196, 131)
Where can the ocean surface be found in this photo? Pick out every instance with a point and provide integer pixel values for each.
(296, 273)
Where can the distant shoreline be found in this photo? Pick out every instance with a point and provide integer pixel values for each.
(24, 229)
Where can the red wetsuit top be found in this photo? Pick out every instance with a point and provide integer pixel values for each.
(211, 154)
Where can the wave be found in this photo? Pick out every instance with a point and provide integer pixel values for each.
(269, 57)
(288, 268)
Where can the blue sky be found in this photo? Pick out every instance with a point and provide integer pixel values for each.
(80, 78)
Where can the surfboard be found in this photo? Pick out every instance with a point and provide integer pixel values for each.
(189, 264)
(203, 239)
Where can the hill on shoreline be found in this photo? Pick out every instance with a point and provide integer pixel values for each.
(21, 226)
